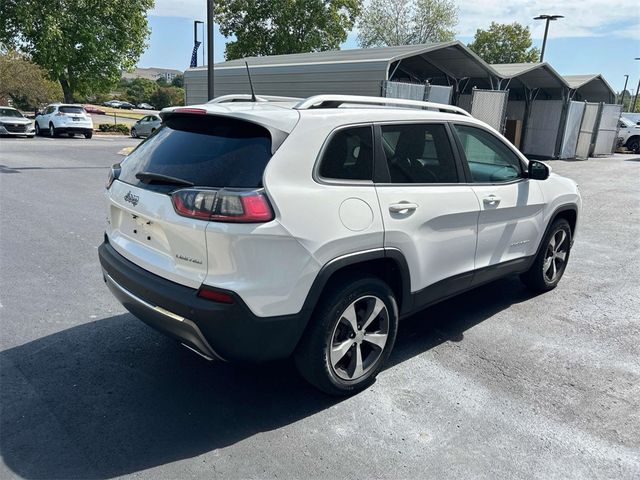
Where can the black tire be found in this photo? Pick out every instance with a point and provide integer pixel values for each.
(634, 145)
(38, 131)
(88, 135)
(537, 277)
(71, 134)
(134, 133)
(312, 355)
(52, 131)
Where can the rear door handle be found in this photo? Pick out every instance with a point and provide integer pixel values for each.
(402, 207)
(491, 200)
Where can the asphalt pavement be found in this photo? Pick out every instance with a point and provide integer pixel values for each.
(496, 383)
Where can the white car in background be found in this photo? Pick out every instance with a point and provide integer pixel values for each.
(13, 123)
(629, 134)
(61, 118)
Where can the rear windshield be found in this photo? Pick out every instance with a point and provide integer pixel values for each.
(205, 150)
(71, 109)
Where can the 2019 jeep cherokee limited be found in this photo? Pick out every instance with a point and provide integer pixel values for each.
(252, 231)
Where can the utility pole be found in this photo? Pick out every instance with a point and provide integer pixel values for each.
(624, 89)
(210, 91)
(548, 18)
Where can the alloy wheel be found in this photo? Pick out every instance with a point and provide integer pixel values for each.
(556, 256)
(359, 338)
(52, 131)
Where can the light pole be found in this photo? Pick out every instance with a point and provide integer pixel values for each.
(624, 89)
(548, 18)
(210, 92)
(635, 99)
(195, 38)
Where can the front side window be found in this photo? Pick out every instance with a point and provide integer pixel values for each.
(349, 155)
(418, 153)
(489, 159)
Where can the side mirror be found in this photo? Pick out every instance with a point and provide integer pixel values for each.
(537, 170)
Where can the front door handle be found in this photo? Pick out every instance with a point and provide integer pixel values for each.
(402, 208)
(491, 200)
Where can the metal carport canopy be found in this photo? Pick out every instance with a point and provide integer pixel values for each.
(592, 88)
(354, 71)
(531, 75)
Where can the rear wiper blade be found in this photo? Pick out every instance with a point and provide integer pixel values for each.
(150, 177)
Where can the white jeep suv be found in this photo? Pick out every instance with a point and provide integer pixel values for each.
(60, 118)
(252, 231)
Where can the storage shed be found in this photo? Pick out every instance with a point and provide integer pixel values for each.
(355, 71)
(590, 88)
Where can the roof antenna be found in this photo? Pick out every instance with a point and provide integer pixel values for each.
(253, 94)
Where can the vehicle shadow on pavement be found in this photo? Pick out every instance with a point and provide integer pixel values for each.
(113, 397)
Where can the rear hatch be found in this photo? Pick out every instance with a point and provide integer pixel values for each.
(74, 114)
(173, 184)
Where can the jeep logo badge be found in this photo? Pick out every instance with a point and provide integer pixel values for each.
(131, 198)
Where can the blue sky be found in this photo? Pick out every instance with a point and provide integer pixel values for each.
(595, 37)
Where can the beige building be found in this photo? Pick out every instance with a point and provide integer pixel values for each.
(152, 74)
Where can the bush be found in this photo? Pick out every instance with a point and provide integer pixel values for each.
(114, 127)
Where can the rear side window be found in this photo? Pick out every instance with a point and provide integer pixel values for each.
(205, 150)
(71, 109)
(419, 153)
(349, 155)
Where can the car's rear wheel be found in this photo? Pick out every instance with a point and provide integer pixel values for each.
(350, 336)
(551, 261)
(52, 131)
(38, 131)
(88, 135)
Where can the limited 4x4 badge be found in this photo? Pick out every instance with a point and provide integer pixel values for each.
(188, 259)
(131, 198)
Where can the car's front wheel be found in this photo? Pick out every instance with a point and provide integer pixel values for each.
(134, 133)
(634, 145)
(551, 261)
(350, 336)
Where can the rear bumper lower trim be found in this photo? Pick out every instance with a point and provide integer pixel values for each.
(172, 324)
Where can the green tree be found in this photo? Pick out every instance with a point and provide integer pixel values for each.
(407, 22)
(178, 81)
(139, 90)
(84, 45)
(167, 97)
(505, 43)
(271, 27)
(25, 83)
(162, 81)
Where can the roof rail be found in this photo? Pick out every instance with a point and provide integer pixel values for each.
(334, 101)
(242, 97)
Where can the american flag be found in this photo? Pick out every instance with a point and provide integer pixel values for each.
(194, 55)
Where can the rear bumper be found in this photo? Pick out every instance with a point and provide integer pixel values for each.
(72, 129)
(215, 330)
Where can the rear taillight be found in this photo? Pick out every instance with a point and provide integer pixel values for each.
(239, 206)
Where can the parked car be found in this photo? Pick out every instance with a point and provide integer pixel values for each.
(146, 126)
(93, 109)
(633, 117)
(146, 106)
(126, 105)
(309, 228)
(629, 134)
(59, 118)
(112, 103)
(14, 124)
